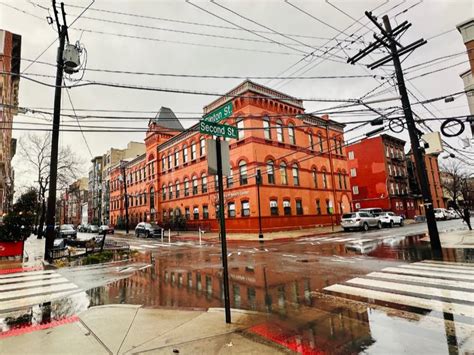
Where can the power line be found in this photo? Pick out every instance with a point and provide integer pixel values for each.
(244, 28)
(204, 76)
(141, 16)
(79, 124)
(178, 91)
(268, 28)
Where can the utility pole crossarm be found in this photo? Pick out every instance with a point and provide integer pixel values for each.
(388, 40)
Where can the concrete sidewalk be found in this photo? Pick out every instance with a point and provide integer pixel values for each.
(458, 239)
(128, 329)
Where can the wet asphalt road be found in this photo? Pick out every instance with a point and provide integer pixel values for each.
(373, 292)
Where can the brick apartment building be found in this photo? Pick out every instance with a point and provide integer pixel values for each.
(379, 178)
(434, 181)
(10, 54)
(302, 159)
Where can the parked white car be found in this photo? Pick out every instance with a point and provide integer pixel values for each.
(452, 214)
(390, 219)
(359, 220)
(441, 213)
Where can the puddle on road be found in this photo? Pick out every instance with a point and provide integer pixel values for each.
(287, 284)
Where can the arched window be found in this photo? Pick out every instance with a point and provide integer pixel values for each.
(170, 190)
(193, 151)
(230, 179)
(296, 175)
(177, 188)
(163, 192)
(243, 173)
(144, 197)
(140, 200)
(339, 175)
(240, 127)
(271, 172)
(186, 187)
(266, 128)
(291, 133)
(311, 141)
(152, 198)
(320, 142)
(195, 185)
(176, 158)
(185, 154)
(283, 174)
(315, 177)
(204, 183)
(325, 180)
(202, 147)
(279, 130)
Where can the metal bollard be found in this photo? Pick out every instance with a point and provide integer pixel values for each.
(169, 236)
(162, 233)
(199, 231)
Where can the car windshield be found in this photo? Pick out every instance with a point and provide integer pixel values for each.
(66, 227)
(437, 210)
(348, 215)
(155, 226)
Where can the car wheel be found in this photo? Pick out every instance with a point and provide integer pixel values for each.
(147, 234)
(379, 225)
(346, 229)
(391, 224)
(137, 234)
(365, 227)
(401, 222)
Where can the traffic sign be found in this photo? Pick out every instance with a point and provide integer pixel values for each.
(221, 130)
(219, 114)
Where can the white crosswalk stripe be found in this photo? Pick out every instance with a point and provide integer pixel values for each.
(23, 289)
(437, 286)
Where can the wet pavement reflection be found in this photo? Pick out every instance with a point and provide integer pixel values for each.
(287, 281)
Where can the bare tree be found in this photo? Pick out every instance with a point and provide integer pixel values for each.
(453, 175)
(35, 149)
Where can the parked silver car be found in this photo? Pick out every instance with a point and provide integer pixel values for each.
(360, 220)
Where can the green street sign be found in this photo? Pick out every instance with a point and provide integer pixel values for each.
(221, 130)
(219, 114)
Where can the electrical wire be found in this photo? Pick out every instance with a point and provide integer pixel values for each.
(79, 124)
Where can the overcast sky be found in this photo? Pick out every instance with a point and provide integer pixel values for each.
(246, 54)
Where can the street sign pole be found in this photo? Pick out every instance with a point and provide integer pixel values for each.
(225, 273)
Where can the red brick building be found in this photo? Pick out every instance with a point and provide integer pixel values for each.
(302, 159)
(434, 181)
(378, 174)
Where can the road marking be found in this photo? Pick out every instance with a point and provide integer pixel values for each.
(290, 256)
(30, 301)
(424, 280)
(29, 278)
(31, 288)
(423, 290)
(446, 275)
(36, 290)
(448, 263)
(420, 284)
(437, 268)
(53, 281)
(456, 267)
(22, 274)
(411, 301)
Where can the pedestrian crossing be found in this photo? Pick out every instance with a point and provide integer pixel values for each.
(348, 240)
(150, 246)
(432, 285)
(24, 289)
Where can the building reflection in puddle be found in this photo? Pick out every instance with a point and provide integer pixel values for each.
(300, 316)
